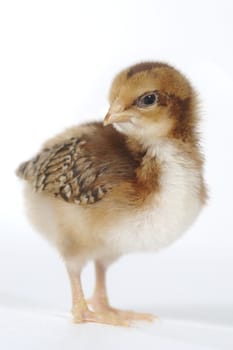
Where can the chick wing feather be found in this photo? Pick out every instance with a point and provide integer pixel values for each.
(67, 171)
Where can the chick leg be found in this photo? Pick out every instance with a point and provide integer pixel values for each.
(80, 310)
(79, 306)
(99, 302)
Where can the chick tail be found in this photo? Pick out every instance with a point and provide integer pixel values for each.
(24, 170)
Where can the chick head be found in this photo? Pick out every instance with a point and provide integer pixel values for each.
(151, 100)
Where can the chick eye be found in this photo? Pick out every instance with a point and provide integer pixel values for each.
(147, 100)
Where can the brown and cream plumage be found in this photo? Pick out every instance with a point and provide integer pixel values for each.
(132, 183)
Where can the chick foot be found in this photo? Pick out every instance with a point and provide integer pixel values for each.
(104, 317)
(125, 315)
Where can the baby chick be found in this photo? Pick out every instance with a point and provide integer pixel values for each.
(132, 183)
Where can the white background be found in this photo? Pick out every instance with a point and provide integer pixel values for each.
(57, 61)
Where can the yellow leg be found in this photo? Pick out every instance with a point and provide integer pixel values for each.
(80, 310)
(99, 301)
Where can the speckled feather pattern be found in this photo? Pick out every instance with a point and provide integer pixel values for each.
(66, 172)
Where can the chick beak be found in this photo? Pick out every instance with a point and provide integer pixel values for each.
(121, 117)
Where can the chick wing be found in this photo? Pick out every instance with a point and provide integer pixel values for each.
(82, 169)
